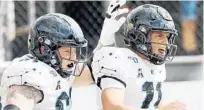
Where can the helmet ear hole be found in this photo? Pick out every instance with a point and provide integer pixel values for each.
(71, 37)
(132, 36)
(29, 40)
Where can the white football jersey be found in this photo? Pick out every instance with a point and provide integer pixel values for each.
(28, 71)
(122, 68)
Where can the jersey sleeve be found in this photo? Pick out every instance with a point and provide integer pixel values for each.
(25, 73)
(108, 69)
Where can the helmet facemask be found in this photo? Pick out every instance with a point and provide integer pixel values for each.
(72, 60)
(48, 52)
(139, 40)
(143, 20)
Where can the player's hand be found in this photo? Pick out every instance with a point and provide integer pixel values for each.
(111, 25)
(176, 105)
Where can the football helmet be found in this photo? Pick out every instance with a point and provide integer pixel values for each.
(52, 31)
(140, 22)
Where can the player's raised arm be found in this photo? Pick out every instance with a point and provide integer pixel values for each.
(110, 26)
(22, 98)
(111, 23)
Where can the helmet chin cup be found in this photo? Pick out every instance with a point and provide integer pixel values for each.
(69, 71)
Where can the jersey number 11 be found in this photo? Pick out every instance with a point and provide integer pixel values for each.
(148, 87)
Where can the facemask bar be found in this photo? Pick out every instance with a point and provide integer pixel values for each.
(77, 56)
(51, 44)
(171, 52)
(138, 38)
(170, 48)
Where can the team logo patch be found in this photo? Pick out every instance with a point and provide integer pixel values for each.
(58, 86)
(140, 74)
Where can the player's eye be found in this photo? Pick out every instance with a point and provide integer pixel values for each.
(159, 35)
(67, 51)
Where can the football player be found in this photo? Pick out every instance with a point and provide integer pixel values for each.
(149, 33)
(43, 79)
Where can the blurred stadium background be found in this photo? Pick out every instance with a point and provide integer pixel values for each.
(184, 74)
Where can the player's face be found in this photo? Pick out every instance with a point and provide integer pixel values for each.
(67, 57)
(159, 41)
